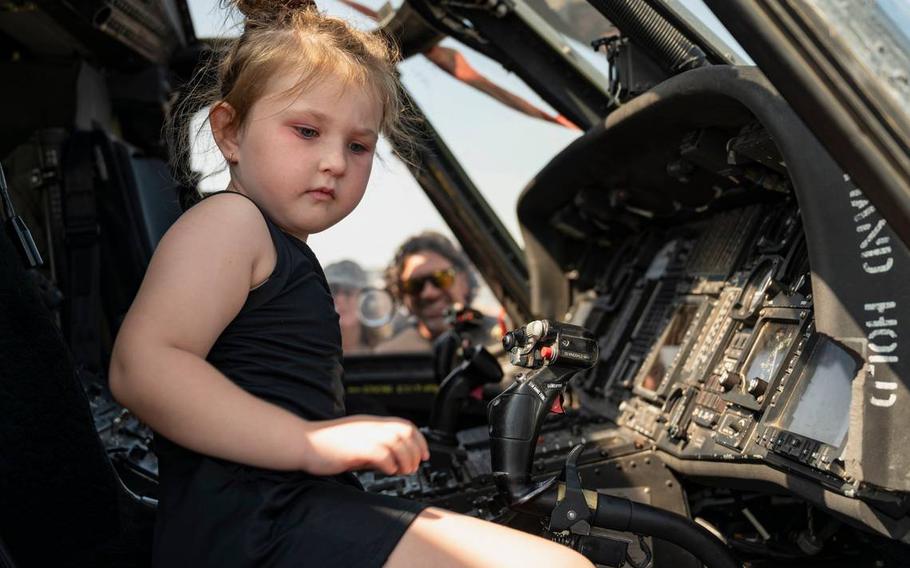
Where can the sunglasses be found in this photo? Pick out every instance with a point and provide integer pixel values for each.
(442, 279)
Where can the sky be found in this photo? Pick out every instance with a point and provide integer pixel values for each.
(500, 149)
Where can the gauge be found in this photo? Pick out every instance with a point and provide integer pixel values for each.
(768, 354)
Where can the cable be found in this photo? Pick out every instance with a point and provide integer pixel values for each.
(624, 515)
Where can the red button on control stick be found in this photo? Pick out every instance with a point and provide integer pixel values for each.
(557, 406)
(546, 352)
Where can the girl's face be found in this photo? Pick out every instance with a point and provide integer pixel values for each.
(304, 157)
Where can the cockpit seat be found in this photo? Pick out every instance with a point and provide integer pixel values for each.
(137, 202)
(61, 500)
(61, 503)
(117, 204)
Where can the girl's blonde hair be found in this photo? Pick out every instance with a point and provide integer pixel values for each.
(288, 36)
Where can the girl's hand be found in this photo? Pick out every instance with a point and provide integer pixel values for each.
(390, 445)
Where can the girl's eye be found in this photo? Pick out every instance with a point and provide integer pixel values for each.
(307, 132)
(358, 148)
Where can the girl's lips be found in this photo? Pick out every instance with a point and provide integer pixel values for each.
(322, 194)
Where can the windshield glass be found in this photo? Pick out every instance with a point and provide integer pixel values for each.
(704, 22)
(575, 19)
(580, 24)
(877, 36)
(500, 147)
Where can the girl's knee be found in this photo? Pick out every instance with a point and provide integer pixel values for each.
(437, 537)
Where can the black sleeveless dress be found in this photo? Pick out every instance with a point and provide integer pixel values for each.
(285, 347)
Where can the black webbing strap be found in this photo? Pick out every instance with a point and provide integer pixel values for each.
(82, 232)
(51, 143)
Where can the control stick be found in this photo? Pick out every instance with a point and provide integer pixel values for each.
(554, 352)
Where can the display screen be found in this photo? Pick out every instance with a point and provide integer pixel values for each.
(822, 408)
(769, 350)
(670, 344)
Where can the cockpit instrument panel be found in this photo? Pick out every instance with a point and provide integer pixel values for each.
(734, 368)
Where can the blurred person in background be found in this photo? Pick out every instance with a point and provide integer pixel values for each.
(431, 277)
(346, 280)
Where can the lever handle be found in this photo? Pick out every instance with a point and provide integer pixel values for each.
(572, 512)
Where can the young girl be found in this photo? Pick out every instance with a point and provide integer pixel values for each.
(232, 350)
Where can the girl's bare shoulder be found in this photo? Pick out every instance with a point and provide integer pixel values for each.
(226, 225)
(200, 275)
(225, 212)
(224, 219)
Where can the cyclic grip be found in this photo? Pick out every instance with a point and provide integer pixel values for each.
(554, 352)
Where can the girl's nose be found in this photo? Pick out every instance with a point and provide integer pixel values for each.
(333, 161)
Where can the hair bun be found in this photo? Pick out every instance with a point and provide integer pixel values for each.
(264, 10)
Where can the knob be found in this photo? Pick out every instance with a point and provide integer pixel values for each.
(728, 380)
(508, 341)
(757, 387)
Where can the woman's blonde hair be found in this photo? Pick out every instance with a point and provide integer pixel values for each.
(288, 36)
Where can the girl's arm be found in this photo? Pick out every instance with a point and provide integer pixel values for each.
(195, 285)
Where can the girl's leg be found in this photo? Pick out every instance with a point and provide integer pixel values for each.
(443, 539)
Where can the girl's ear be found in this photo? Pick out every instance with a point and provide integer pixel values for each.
(225, 131)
